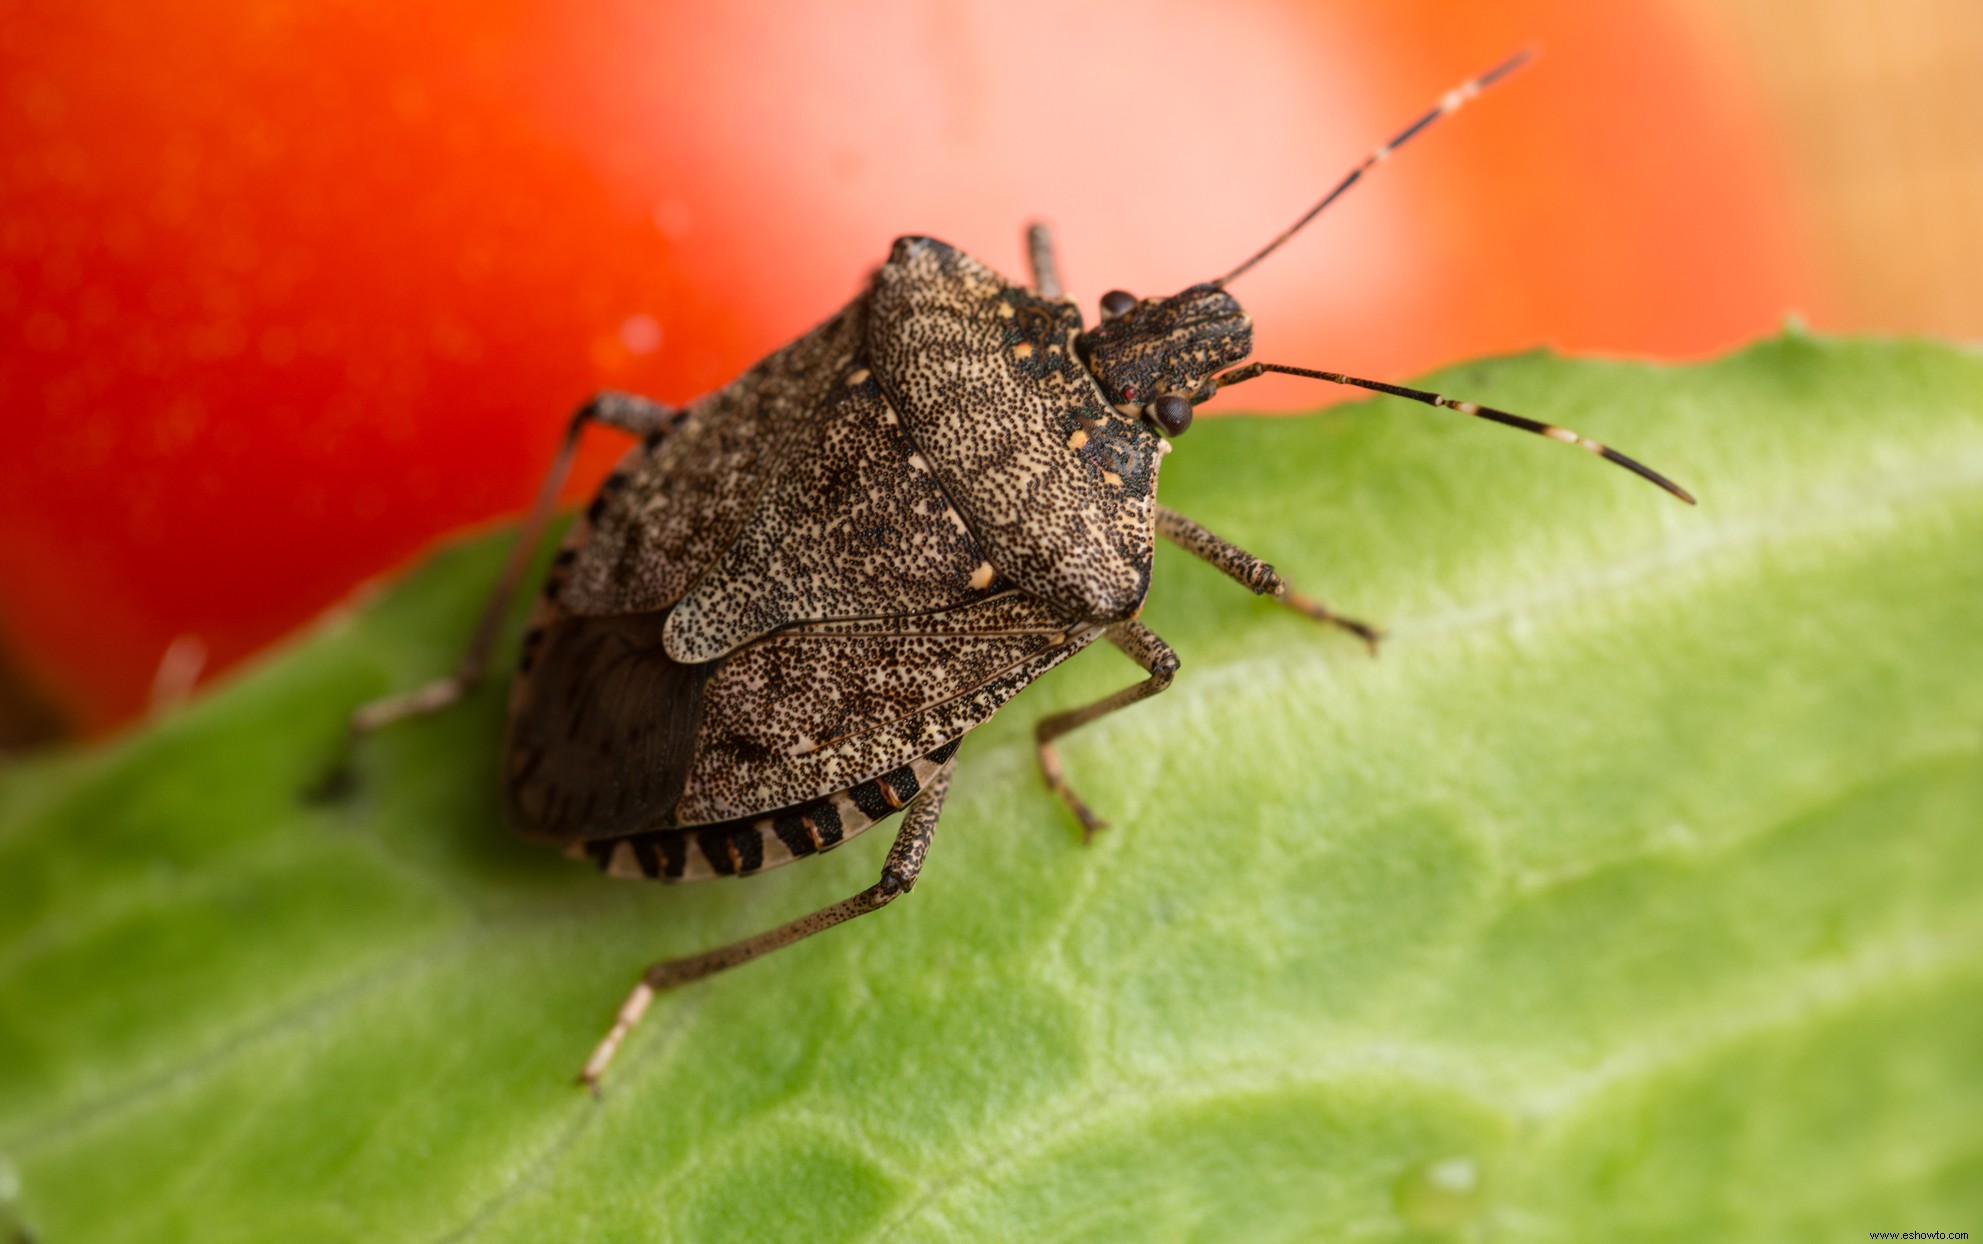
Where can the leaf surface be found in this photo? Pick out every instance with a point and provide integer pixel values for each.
(1631, 893)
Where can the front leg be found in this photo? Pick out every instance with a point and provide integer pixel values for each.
(1143, 646)
(1244, 568)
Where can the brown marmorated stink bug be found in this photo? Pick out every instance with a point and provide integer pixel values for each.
(795, 595)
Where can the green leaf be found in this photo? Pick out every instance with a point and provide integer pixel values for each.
(1631, 893)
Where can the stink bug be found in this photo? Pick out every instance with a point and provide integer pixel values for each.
(795, 596)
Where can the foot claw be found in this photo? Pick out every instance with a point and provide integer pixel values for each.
(629, 1014)
(335, 784)
(1050, 770)
(1315, 609)
(1371, 636)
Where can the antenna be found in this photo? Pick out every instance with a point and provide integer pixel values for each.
(1450, 102)
(1240, 375)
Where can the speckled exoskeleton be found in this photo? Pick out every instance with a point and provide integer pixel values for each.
(796, 595)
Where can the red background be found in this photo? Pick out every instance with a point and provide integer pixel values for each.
(290, 290)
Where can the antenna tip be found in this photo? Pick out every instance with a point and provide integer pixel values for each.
(1521, 57)
(1666, 484)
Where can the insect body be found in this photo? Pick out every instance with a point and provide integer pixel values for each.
(793, 597)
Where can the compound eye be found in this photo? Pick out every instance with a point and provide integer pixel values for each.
(1172, 413)
(1117, 302)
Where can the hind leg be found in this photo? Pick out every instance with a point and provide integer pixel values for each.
(634, 415)
(898, 877)
(1040, 257)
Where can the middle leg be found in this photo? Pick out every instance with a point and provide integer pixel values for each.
(1143, 646)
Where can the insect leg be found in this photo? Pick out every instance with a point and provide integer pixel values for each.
(628, 413)
(1039, 254)
(1249, 571)
(1143, 646)
(898, 877)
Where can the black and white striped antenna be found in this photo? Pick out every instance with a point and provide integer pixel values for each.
(1450, 102)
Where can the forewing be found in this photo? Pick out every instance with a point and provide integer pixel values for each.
(854, 525)
(824, 706)
(1059, 488)
(681, 505)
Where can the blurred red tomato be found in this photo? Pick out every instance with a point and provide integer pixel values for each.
(293, 288)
